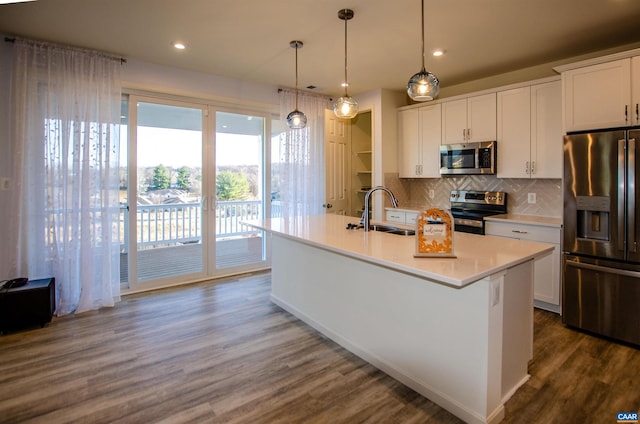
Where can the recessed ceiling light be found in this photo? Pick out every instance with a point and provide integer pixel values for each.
(179, 45)
(438, 52)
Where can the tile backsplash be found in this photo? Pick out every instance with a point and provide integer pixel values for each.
(415, 193)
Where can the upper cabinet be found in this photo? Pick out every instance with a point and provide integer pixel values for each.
(635, 90)
(530, 131)
(419, 142)
(469, 120)
(600, 95)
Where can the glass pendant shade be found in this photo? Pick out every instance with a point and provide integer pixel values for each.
(423, 86)
(345, 107)
(296, 120)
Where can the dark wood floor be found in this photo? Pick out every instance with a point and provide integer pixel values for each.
(222, 353)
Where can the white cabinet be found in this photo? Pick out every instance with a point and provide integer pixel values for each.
(530, 131)
(469, 120)
(635, 90)
(599, 96)
(401, 216)
(419, 142)
(546, 286)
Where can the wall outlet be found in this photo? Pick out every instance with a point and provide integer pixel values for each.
(531, 198)
(432, 193)
(4, 184)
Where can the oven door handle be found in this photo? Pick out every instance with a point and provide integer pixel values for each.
(615, 271)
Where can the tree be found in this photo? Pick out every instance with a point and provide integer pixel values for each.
(231, 186)
(184, 178)
(161, 179)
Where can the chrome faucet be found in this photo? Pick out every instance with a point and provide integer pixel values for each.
(365, 213)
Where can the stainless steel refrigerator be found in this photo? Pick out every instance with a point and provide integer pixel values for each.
(601, 266)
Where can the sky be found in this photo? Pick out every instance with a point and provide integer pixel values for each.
(176, 148)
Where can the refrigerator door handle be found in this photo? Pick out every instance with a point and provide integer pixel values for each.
(631, 195)
(606, 269)
(622, 189)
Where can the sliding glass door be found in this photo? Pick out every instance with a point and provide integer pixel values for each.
(187, 192)
(240, 188)
(167, 243)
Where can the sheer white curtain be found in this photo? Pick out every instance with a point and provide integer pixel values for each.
(301, 156)
(65, 130)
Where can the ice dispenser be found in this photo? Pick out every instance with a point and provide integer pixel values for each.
(593, 217)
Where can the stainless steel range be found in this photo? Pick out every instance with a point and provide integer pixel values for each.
(469, 207)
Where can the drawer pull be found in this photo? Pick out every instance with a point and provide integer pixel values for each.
(519, 232)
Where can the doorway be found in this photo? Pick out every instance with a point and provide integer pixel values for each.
(348, 163)
(196, 173)
(240, 190)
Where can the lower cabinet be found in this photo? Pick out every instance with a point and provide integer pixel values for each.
(401, 216)
(546, 286)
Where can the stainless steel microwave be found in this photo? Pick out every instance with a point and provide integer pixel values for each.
(468, 158)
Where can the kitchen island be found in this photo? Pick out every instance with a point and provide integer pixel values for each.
(459, 330)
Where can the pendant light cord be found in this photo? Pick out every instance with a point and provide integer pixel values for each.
(423, 56)
(296, 75)
(346, 81)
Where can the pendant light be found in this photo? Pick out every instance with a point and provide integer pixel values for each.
(296, 119)
(423, 86)
(345, 107)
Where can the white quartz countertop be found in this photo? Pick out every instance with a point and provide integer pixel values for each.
(545, 221)
(477, 256)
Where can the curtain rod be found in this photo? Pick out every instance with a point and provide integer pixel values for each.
(13, 40)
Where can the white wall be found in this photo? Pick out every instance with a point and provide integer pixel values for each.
(6, 155)
(143, 76)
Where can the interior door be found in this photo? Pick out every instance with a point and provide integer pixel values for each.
(337, 164)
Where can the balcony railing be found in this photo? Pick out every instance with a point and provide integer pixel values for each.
(170, 224)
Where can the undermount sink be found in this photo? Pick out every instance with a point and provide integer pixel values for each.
(402, 232)
(390, 229)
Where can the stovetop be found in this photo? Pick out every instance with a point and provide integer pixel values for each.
(482, 203)
(469, 207)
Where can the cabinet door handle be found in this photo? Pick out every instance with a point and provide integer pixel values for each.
(526, 167)
(533, 167)
(626, 113)
(637, 114)
(519, 232)
(468, 133)
(464, 133)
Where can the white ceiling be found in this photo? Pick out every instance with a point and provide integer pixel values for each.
(249, 39)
